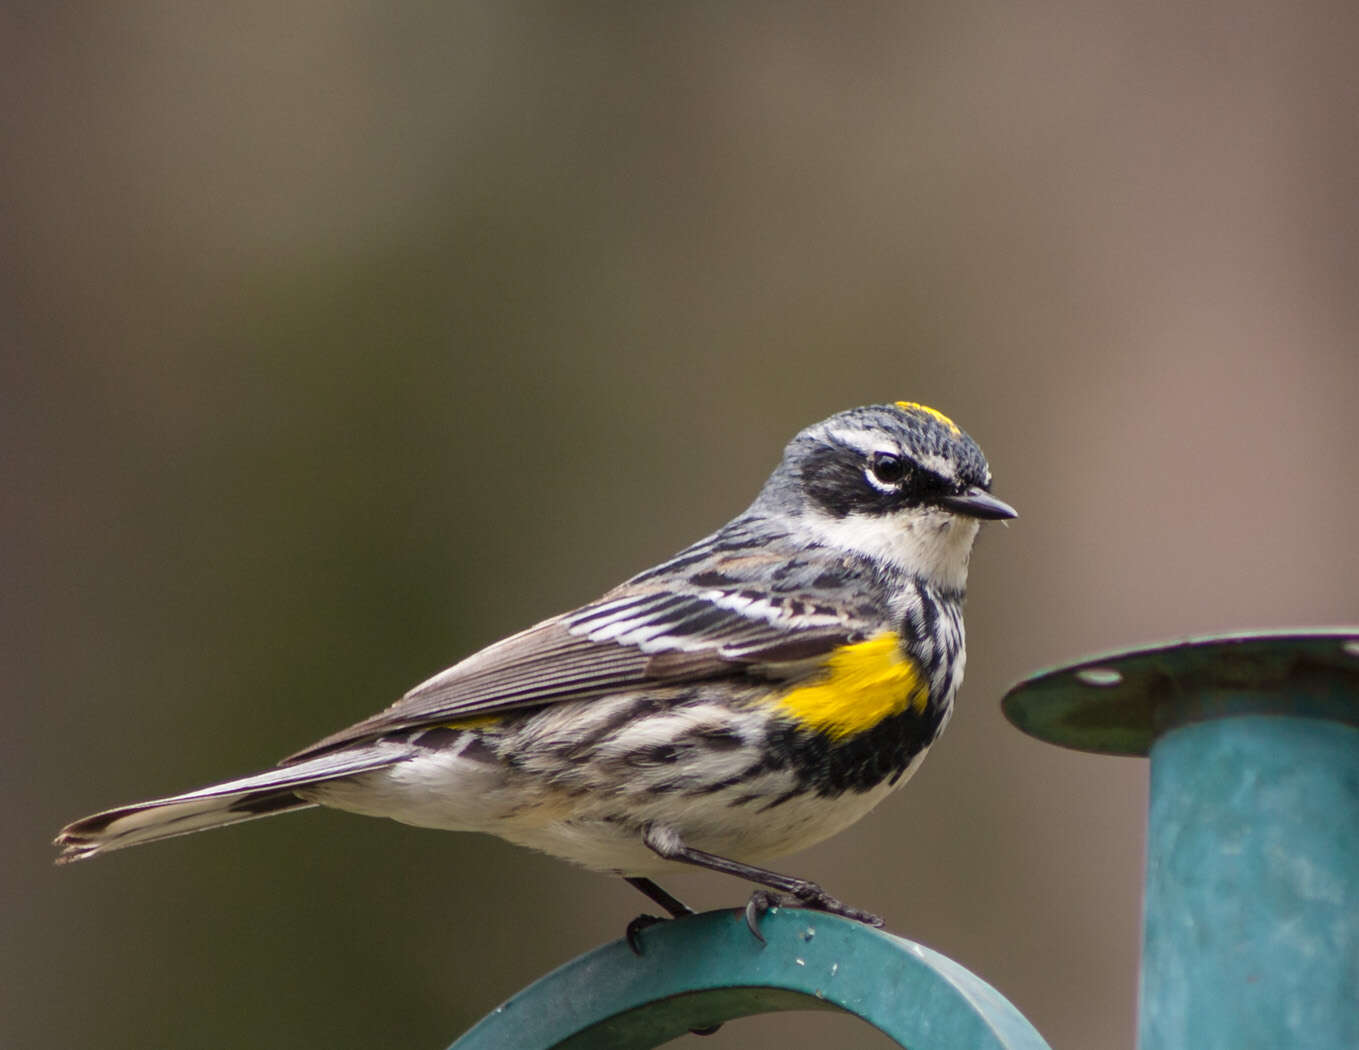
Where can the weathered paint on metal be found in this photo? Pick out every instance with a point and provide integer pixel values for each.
(1251, 926)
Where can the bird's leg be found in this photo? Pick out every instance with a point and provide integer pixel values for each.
(676, 907)
(666, 843)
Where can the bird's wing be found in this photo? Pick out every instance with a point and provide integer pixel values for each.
(629, 639)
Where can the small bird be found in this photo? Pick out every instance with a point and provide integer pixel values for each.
(761, 690)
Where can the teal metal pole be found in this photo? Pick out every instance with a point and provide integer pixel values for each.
(1251, 929)
(1251, 912)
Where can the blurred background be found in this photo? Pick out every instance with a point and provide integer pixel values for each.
(341, 339)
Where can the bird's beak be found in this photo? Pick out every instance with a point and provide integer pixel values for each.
(977, 503)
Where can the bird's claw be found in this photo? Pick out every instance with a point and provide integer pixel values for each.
(633, 933)
(760, 902)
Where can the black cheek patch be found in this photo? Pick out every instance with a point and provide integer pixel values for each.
(834, 480)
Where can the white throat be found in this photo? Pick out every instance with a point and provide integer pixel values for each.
(927, 542)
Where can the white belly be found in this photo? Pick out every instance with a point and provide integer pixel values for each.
(603, 831)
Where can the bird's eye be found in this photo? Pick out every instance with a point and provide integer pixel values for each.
(887, 468)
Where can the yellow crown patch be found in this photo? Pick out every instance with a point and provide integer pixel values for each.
(933, 413)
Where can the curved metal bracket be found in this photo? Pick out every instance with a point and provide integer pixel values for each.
(708, 968)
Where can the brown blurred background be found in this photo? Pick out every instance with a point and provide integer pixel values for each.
(342, 339)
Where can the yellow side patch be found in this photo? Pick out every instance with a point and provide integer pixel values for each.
(474, 722)
(862, 684)
(933, 413)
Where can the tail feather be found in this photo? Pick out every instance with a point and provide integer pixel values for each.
(230, 802)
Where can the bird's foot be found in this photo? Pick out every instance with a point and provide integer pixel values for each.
(633, 933)
(802, 895)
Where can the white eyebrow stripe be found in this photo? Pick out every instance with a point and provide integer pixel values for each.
(940, 465)
(864, 441)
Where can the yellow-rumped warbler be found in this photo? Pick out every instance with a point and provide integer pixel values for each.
(758, 692)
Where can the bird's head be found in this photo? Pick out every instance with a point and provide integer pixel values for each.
(899, 483)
